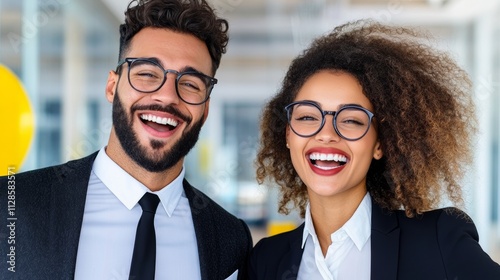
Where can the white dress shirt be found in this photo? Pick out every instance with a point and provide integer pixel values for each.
(348, 256)
(110, 222)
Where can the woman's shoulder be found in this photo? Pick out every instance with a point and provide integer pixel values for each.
(438, 221)
(441, 216)
(276, 255)
(279, 245)
(281, 240)
(454, 224)
(461, 252)
(445, 236)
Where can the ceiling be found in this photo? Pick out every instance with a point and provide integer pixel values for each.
(271, 32)
(426, 12)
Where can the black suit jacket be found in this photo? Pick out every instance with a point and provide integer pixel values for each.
(440, 245)
(49, 206)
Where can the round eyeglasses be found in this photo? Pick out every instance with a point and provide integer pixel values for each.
(146, 75)
(306, 119)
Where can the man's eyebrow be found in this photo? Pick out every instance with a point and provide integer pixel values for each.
(191, 69)
(183, 69)
(155, 60)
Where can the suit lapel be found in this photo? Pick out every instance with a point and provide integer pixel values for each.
(288, 268)
(384, 244)
(206, 238)
(68, 195)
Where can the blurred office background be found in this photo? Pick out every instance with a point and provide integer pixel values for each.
(63, 49)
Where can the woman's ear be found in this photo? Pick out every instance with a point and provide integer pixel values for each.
(287, 134)
(378, 153)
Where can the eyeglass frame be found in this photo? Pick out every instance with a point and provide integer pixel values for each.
(129, 60)
(334, 114)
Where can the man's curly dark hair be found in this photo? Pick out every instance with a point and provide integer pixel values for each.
(194, 17)
(424, 116)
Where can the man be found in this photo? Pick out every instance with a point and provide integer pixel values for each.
(79, 220)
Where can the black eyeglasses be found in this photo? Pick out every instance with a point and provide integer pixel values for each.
(146, 75)
(306, 119)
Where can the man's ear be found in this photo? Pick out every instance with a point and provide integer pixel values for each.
(378, 153)
(111, 84)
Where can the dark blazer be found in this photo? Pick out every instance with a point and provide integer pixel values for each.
(440, 245)
(49, 206)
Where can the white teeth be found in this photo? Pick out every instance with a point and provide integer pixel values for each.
(159, 120)
(328, 157)
(327, 168)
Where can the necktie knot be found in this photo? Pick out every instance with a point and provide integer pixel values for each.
(149, 202)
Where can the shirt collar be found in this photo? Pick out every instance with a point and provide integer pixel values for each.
(308, 227)
(128, 190)
(358, 227)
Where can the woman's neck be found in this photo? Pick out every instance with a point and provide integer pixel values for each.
(330, 213)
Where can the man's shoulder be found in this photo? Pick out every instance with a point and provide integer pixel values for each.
(205, 210)
(219, 229)
(199, 201)
(52, 173)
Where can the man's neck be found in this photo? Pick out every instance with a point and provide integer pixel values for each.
(154, 181)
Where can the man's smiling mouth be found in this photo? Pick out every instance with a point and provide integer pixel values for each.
(159, 123)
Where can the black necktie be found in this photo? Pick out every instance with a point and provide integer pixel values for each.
(144, 257)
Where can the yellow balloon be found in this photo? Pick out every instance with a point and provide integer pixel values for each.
(16, 122)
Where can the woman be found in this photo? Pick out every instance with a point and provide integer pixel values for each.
(370, 130)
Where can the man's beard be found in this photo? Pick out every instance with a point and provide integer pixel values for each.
(157, 161)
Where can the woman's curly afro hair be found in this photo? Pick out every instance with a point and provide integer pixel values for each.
(424, 115)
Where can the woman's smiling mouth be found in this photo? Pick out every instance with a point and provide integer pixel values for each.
(327, 161)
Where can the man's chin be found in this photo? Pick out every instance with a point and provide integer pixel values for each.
(157, 145)
(154, 153)
(152, 162)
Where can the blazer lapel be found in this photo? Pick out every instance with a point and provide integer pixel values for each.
(288, 268)
(67, 199)
(206, 238)
(384, 244)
